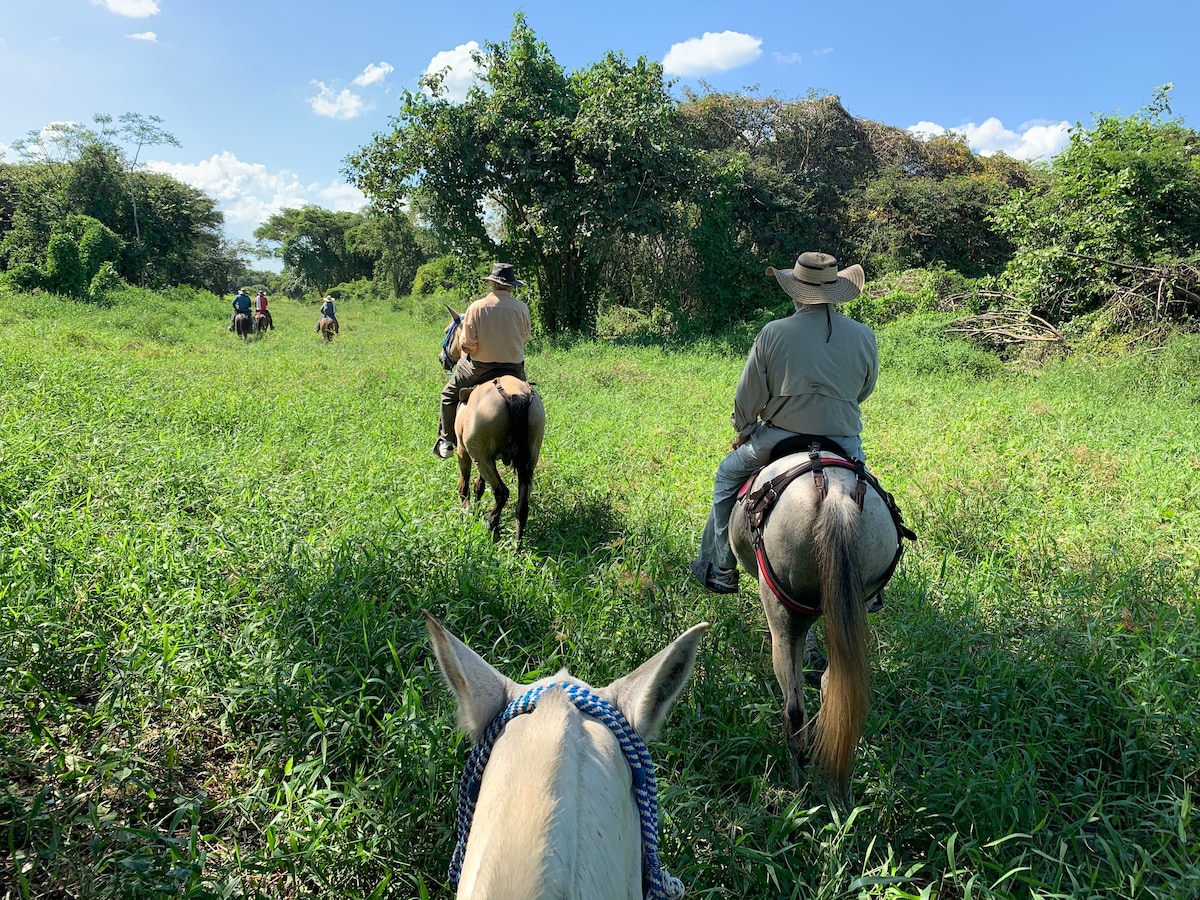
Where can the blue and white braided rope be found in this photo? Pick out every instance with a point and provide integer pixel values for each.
(656, 883)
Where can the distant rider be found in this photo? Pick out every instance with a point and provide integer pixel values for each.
(260, 308)
(329, 308)
(241, 304)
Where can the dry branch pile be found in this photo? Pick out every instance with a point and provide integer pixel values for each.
(1009, 326)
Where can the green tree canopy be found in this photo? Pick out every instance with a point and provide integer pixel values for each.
(1125, 191)
(548, 168)
(315, 244)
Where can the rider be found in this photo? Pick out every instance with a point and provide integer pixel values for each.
(329, 309)
(260, 306)
(495, 332)
(241, 304)
(806, 374)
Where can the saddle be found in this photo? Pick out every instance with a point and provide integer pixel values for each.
(757, 503)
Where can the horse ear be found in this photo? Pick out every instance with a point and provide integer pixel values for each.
(481, 691)
(646, 694)
(453, 315)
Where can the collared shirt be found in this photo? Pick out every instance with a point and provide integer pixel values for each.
(496, 329)
(260, 302)
(798, 381)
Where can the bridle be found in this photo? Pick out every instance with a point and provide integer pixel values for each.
(444, 354)
(656, 883)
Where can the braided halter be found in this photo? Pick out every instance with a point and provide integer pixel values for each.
(656, 883)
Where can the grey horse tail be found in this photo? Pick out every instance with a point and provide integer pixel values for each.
(845, 693)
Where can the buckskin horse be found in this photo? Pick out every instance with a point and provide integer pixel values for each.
(325, 328)
(558, 797)
(499, 420)
(820, 535)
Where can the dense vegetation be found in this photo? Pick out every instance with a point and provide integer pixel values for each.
(214, 556)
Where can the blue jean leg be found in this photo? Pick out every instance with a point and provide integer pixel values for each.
(732, 473)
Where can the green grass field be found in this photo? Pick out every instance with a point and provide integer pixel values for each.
(215, 682)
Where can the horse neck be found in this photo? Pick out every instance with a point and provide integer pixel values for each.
(555, 816)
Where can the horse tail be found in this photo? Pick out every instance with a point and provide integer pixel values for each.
(845, 690)
(516, 450)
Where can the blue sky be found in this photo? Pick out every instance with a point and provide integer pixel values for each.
(268, 97)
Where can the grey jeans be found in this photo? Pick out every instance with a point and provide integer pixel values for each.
(732, 473)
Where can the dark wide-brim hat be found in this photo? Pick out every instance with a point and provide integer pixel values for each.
(504, 275)
(816, 279)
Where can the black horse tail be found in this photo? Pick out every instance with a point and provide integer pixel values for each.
(845, 691)
(516, 451)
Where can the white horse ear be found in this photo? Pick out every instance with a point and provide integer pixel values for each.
(646, 694)
(482, 692)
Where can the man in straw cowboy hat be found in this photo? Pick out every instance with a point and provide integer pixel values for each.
(807, 374)
(495, 332)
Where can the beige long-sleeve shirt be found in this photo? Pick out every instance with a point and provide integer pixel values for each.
(798, 381)
(496, 329)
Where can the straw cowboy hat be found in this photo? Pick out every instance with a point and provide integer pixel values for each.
(815, 279)
(504, 275)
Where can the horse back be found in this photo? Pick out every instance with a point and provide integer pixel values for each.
(790, 533)
(492, 413)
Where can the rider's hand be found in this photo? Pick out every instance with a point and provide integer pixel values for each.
(738, 441)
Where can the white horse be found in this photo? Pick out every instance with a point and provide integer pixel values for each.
(830, 537)
(560, 802)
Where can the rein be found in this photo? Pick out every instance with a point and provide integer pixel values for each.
(656, 883)
(759, 502)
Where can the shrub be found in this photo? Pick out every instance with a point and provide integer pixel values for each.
(445, 274)
(98, 245)
(64, 271)
(104, 282)
(25, 277)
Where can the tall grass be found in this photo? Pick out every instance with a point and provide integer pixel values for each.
(214, 680)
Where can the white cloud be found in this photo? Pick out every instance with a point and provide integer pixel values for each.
(462, 70)
(714, 52)
(248, 194)
(336, 105)
(1034, 140)
(144, 36)
(788, 58)
(374, 72)
(134, 9)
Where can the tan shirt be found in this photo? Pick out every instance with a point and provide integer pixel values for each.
(496, 329)
(797, 381)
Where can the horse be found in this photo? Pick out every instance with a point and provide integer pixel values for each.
(558, 797)
(824, 543)
(326, 327)
(242, 325)
(261, 323)
(502, 419)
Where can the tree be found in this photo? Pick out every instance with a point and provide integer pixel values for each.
(549, 170)
(1125, 192)
(315, 246)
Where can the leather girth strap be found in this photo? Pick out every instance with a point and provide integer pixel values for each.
(759, 502)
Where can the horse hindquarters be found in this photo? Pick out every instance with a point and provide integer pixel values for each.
(527, 423)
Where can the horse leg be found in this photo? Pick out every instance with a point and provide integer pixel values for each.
(489, 473)
(788, 631)
(480, 484)
(464, 478)
(524, 484)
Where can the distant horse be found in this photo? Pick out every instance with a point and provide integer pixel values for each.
(502, 419)
(326, 327)
(826, 537)
(558, 798)
(243, 327)
(261, 322)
